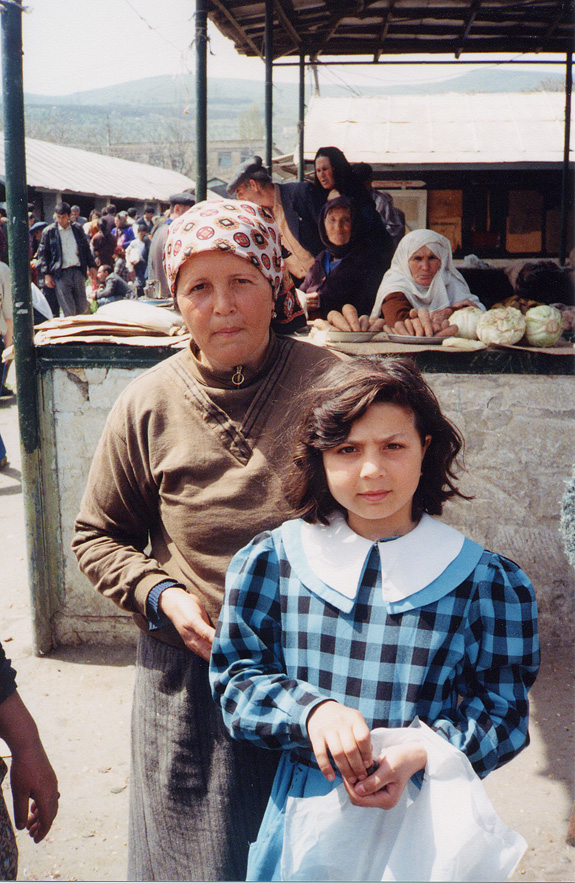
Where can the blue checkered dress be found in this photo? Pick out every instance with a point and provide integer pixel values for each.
(463, 663)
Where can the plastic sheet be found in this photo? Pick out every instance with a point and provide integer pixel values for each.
(447, 831)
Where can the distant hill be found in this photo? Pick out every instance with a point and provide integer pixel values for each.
(161, 110)
(165, 91)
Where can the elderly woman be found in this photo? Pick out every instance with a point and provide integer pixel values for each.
(348, 270)
(422, 282)
(185, 474)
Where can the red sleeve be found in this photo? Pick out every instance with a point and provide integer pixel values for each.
(395, 308)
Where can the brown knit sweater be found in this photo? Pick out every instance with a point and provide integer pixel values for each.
(189, 464)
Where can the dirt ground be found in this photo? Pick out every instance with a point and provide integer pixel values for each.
(81, 698)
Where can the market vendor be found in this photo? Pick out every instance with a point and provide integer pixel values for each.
(422, 277)
(347, 270)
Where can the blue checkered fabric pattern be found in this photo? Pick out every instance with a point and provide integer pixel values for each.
(463, 664)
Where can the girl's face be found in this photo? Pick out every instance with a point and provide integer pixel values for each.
(374, 473)
(226, 304)
(424, 264)
(324, 172)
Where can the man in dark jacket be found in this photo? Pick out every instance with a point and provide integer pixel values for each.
(296, 206)
(64, 258)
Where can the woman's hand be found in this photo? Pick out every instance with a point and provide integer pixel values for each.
(190, 620)
(349, 320)
(312, 300)
(385, 786)
(342, 732)
(422, 323)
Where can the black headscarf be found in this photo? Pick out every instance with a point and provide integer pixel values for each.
(338, 251)
(343, 177)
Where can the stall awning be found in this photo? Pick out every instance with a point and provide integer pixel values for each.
(398, 27)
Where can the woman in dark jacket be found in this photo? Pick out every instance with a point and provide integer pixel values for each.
(349, 269)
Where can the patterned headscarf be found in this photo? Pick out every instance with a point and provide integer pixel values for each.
(240, 227)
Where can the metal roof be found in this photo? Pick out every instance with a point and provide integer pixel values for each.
(453, 128)
(396, 27)
(69, 170)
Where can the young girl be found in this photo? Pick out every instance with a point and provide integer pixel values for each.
(365, 611)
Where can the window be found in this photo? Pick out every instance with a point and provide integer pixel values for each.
(225, 159)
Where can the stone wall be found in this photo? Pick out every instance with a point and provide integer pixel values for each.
(520, 450)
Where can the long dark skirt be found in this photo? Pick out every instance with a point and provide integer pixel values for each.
(196, 797)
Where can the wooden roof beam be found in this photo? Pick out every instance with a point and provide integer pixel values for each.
(561, 14)
(473, 10)
(333, 24)
(217, 4)
(387, 19)
(284, 9)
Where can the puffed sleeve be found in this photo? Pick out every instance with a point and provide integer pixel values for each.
(259, 702)
(490, 724)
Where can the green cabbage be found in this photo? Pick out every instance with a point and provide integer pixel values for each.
(544, 325)
(466, 320)
(501, 325)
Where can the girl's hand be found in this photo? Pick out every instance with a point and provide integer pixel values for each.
(385, 786)
(344, 733)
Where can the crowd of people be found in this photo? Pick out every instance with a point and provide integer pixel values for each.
(338, 234)
(345, 243)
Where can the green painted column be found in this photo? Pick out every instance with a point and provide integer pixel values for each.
(25, 354)
(201, 43)
(269, 57)
(301, 116)
(565, 201)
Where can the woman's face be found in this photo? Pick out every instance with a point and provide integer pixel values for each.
(226, 305)
(338, 225)
(324, 172)
(424, 264)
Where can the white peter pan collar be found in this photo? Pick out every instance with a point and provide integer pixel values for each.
(336, 556)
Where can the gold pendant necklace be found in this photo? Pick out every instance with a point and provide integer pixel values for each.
(238, 378)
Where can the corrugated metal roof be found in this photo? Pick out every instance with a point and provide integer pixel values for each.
(69, 170)
(441, 128)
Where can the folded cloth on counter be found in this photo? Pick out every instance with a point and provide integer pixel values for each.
(91, 330)
(122, 322)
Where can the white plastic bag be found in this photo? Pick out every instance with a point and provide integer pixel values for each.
(447, 831)
(40, 303)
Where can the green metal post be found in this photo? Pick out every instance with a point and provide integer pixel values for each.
(565, 181)
(269, 58)
(201, 43)
(301, 119)
(25, 357)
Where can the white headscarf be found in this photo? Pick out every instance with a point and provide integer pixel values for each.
(448, 286)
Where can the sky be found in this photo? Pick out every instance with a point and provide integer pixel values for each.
(78, 45)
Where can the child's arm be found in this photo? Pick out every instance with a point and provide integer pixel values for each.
(490, 724)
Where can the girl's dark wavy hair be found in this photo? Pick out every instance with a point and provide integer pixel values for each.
(340, 396)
